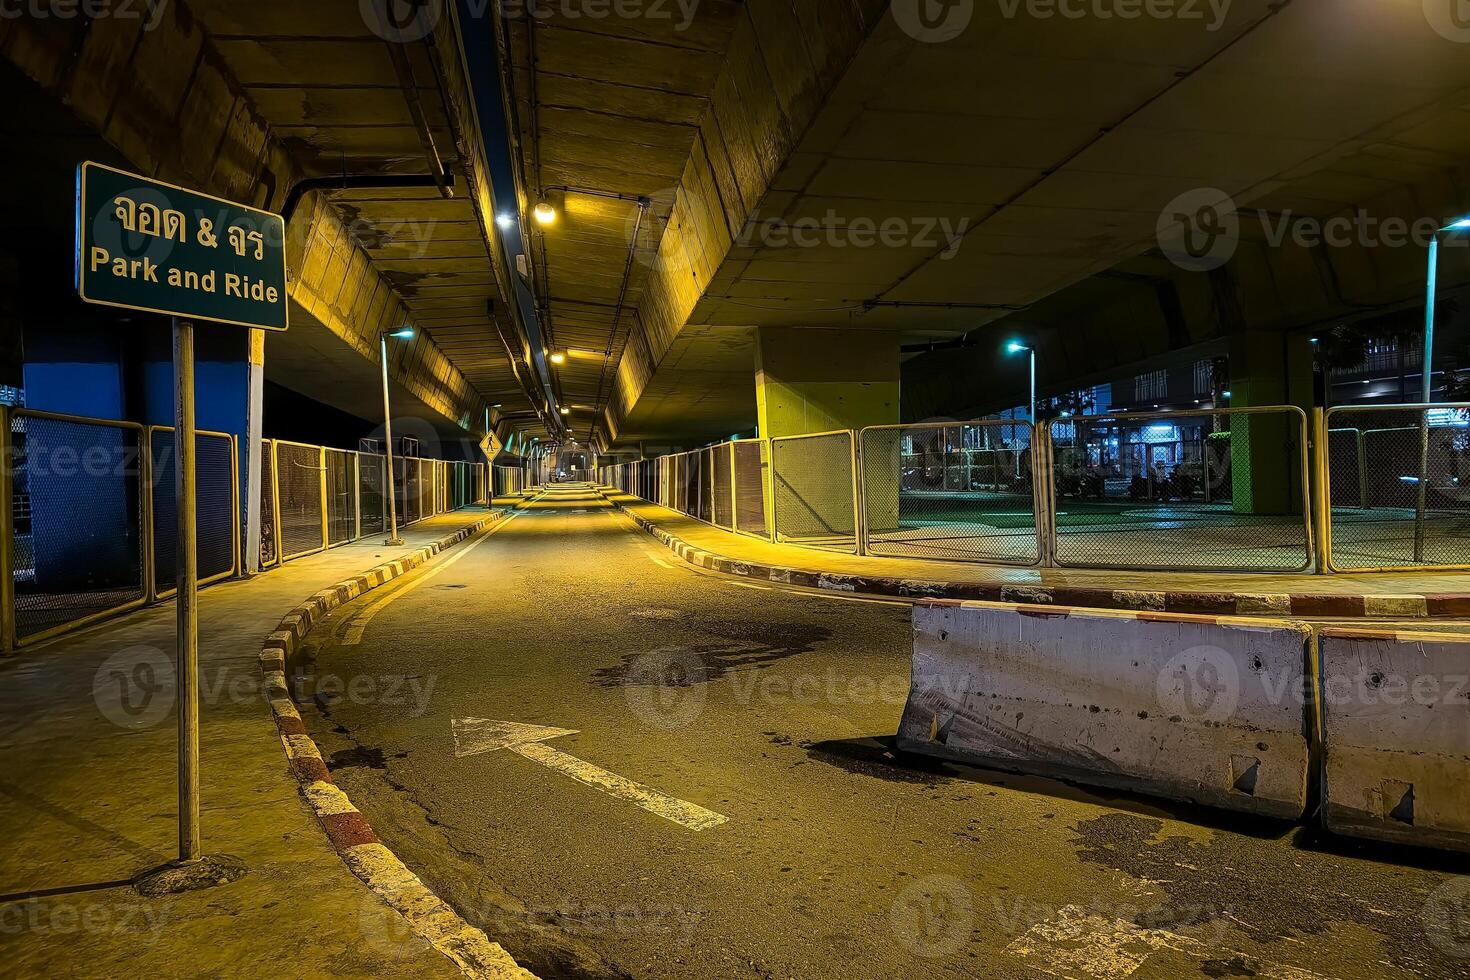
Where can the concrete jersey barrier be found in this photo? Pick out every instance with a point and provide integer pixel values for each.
(1193, 708)
(1396, 711)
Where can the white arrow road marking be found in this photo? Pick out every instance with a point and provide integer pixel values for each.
(476, 736)
(1080, 945)
(358, 625)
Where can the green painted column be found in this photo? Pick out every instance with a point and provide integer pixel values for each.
(1265, 451)
(821, 380)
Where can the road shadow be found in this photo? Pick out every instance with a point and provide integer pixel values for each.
(881, 758)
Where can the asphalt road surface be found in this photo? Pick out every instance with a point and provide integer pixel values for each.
(619, 765)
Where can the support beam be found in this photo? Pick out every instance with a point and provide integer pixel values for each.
(1268, 369)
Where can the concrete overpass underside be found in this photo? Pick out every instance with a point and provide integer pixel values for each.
(303, 108)
(1025, 166)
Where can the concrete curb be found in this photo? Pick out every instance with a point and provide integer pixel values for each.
(1194, 602)
(349, 832)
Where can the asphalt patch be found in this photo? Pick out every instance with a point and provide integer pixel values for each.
(743, 646)
(1306, 892)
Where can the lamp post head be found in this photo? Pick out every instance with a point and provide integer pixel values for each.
(403, 333)
(1462, 225)
(1016, 347)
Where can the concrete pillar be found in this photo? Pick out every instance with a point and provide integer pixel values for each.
(810, 381)
(1268, 368)
(817, 380)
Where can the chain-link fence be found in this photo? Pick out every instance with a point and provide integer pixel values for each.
(217, 521)
(1210, 490)
(340, 468)
(300, 499)
(750, 477)
(372, 472)
(270, 554)
(409, 491)
(427, 489)
(813, 480)
(722, 489)
(92, 522)
(1221, 490)
(703, 505)
(958, 492)
(78, 508)
(1399, 484)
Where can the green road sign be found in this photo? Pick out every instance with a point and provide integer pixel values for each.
(146, 245)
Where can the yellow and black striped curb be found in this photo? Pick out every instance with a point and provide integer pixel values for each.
(351, 835)
(1395, 606)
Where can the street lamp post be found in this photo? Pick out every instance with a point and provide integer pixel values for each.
(1431, 297)
(1426, 392)
(1016, 347)
(392, 494)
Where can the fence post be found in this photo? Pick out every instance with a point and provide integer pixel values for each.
(1362, 469)
(356, 496)
(237, 526)
(145, 499)
(1042, 499)
(321, 480)
(771, 478)
(7, 533)
(734, 496)
(276, 536)
(1321, 495)
(859, 518)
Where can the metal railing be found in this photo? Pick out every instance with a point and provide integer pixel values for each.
(90, 527)
(218, 492)
(1222, 490)
(956, 492)
(326, 497)
(78, 538)
(1398, 482)
(1242, 490)
(509, 481)
(814, 490)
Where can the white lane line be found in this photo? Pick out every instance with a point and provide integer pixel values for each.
(681, 812)
(477, 736)
(358, 625)
(1080, 945)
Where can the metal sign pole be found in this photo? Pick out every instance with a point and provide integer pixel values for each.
(1426, 395)
(188, 591)
(392, 494)
(220, 263)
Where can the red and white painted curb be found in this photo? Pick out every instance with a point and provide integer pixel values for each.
(1398, 606)
(351, 835)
